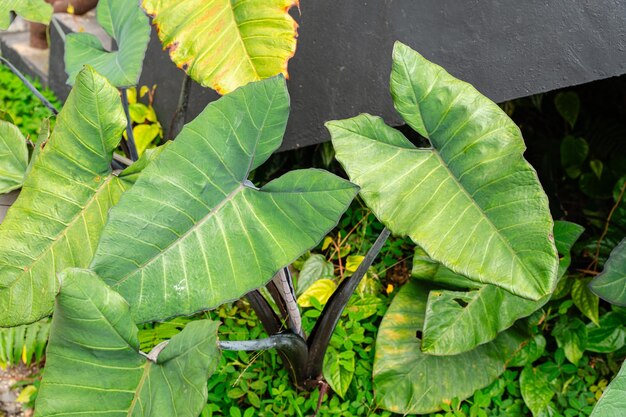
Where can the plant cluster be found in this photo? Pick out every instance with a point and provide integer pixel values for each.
(109, 246)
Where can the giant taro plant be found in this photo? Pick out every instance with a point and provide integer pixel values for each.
(183, 230)
(190, 232)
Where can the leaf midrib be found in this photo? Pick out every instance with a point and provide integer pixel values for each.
(214, 210)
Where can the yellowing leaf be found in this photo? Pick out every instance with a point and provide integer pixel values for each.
(26, 394)
(144, 136)
(70, 9)
(24, 355)
(143, 90)
(131, 94)
(243, 41)
(151, 115)
(389, 289)
(353, 262)
(321, 290)
(327, 241)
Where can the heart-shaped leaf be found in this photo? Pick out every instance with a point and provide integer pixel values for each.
(536, 389)
(471, 200)
(224, 44)
(610, 285)
(32, 10)
(126, 23)
(458, 321)
(338, 370)
(13, 157)
(56, 221)
(194, 233)
(94, 366)
(407, 381)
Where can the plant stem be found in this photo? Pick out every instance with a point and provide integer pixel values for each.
(284, 286)
(130, 141)
(594, 263)
(292, 346)
(325, 326)
(30, 86)
(178, 120)
(269, 319)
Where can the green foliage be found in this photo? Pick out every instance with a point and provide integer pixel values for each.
(147, 129)
(202, 239)
(471, 198)
(13, 157)
(23, 344)
(32, 10)
(22, 107)
(130, 29)
(63, 204)
(93, 354)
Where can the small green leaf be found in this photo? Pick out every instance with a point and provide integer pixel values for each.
(315, 267)
(568, 106)
(321, 290)
(338, 370)
(610, 285)
(572, 338)
(574, 152)
(536, 389)
(596, 166)
(587, 302)
(530, 352)
(32, 10)
(609, 336)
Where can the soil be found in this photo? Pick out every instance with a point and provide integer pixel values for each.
(8, 394)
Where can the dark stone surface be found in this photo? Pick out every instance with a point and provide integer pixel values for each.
(506, 48)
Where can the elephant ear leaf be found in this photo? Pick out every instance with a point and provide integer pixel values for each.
(613, 400)
(458, 321)
(13, 157)
(56, 221)
(610, 285)
(32, 10)
(471, 200)
(408, 381)
(126, 23)
(193, 232)
(246, 40)
(94, 366)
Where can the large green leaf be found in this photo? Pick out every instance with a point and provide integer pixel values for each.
(194, 233)
(613, 400)
(126, 23)
(458, 321)
(31, 10)
(57, 219)
(471, 200)
(610, 285)
(94, 365)
(224, 44)
(13, 157)
(408, 381)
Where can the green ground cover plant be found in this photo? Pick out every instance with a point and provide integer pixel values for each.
(112, 247)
